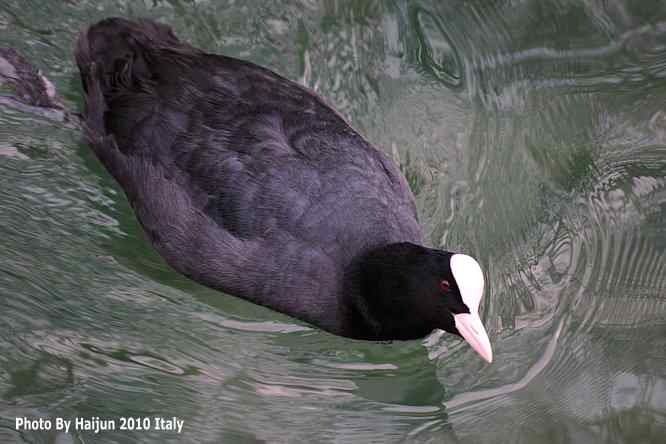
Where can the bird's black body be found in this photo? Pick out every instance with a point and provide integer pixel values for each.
(249, 183)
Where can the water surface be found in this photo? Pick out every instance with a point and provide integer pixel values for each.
(533, 134)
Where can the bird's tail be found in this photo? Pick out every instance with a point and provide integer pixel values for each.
(114, 56)
(115, 52)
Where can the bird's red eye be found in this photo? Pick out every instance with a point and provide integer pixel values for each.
(444, 285)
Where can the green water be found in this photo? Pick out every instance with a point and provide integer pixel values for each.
(534, 135)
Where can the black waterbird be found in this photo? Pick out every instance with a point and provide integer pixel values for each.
(249, 183)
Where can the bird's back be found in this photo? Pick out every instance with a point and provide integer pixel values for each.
(211, 147)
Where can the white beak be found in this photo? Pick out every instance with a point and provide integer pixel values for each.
(470, 327)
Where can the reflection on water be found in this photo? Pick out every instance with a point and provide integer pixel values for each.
(534, 135)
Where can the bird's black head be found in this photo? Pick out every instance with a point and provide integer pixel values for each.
(407, 290)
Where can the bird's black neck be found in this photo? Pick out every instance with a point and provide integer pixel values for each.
(375, 311)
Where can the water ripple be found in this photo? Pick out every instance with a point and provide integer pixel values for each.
(534, 137)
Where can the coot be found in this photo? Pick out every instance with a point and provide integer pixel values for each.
(249, 183)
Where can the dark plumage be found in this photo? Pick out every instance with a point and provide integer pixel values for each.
(249, 183)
